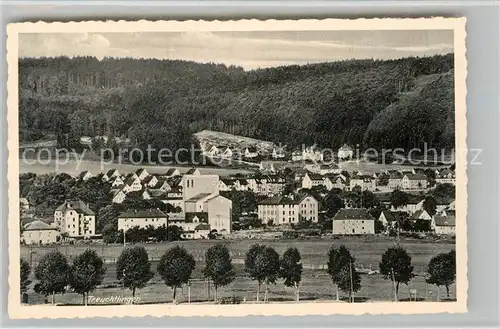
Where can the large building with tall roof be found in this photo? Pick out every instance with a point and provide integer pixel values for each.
(280, 210)
(38, 232)
(75, 218)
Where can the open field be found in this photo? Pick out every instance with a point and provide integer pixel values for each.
(315, 284)
(73, 167)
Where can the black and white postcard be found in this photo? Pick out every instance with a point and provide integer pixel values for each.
(233, 168)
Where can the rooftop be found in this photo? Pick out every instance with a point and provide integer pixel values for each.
(38, 226)
(149, 213)
(355, 213)
(77, 205)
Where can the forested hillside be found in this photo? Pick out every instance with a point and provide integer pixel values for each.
(398, 103)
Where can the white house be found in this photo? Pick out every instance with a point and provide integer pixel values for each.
(75, 218)
(116, 182)
(118, 195)
(132, 183)
(312, 154)
(297, 155)
(420, 214)
(278, 153)
(150, 181)
(112, 173)
(308, 208)
(142, 173)
(353, 221)
(414, 182)
(311, 179)
(366, 183)
(38, 233)
(172, 172)
(345, 152)
(251, 152)
(443, 225)
(280, 210)
(84, 175)
(194, 171)
(141, 219)
(332, 181)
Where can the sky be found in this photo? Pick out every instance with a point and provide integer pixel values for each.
(250, 50)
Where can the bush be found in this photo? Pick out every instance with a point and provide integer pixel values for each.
(231, 300)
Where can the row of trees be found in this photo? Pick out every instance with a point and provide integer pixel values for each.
(262, 264)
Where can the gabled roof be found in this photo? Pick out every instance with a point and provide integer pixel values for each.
(76, 205)
(303, 197)
(227, 181)
(170, 172)
(191, 171)
(139, 171)
(391, 216)
(149, 213)
(202, 216)
(242, 181)
(444, 220)
(148, 179)
(416, 215)
(130, 180)
(198, 197)
(345, 147)
(277, 200)
(83, 174)
(38, 226)
(174, 181)
(395, 174)
(416, 176)
(314, 176)
(359, 213)
(111, 172)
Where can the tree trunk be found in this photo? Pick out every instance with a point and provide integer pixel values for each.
(447, 291)
(438, 297)
(337, 288)
(298, 296)
(265, 294)
(84, 301)
(133, 294)
(215, 293)
(174, 295)
(86, 298)
(397, 291)
(258, 290)
(53, 297)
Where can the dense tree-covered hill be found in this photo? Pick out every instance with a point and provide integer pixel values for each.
(397, 103)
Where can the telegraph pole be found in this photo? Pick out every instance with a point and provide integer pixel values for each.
(350, 274)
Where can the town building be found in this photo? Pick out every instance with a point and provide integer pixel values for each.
(38, 233)
(75, 219)
(172, 172)
(345, 152)
(118, 195)
(336, 181)
(150, 181)
(365, 182)
(420, 215)
(297, 155)
(445, 176)
(389, 219)
(84, 175)
(443, 225)
(353, 221)
(226, 184)
(311, 153)
(142, 173)
(141, 219)
(311, 179)
(414, 181)
(110, 174)
(395, 180)
(132, 183)
(251, 153)
(194, 172)
(414, 204)
(280, 210)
